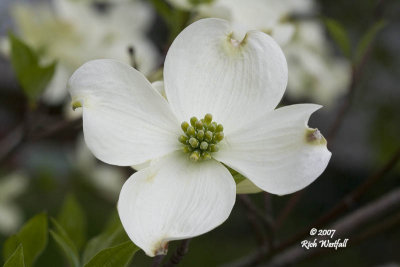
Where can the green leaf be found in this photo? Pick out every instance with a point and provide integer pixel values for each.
(32, 236)
(117, 256)
(73, 219)
(367, 39)
(32, 77)
(16, 259)
(10, 246)
(339, 35)
(65, 243)
(200, 2)
(113, 235)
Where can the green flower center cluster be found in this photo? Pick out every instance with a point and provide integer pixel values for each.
(201, 137)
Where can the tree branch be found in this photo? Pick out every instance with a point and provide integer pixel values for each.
(157, 261)
(343, 227)
(346, 202)
(342, 206)
(290, 205)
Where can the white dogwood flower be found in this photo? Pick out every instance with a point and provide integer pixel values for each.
(222, 89)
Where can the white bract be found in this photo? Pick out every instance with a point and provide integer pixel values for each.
(314, 72)
(73, 32)
(187, 188)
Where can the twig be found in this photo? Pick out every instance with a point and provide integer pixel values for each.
(258, 229)
(25, 133)
(343, 227)
(249, 260)
(349, 200)
(356, 73)
(290, 205)
(265, 218)
(333, 213)
(157, 261)
(179, 254)
(268, 204)
(378, 228)
(11, 142)
(57, 128)
(249, 204)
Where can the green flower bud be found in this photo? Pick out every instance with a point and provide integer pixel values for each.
(208, 136)
(206, 155)
(219, 136)
(212, 127)
(187, 149)
(195, 156)
(193, 121)
(200, 135)
(184, 126)
(199, 125)
(208, 118)
(190, 131)
(193, 142)
(213, 148)
(183, 139)
(203, 145)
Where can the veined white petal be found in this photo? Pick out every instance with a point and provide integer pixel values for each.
(174, 199)
(208, 69)
(125, 121)
(279, 153)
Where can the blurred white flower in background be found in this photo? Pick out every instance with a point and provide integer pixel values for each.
(11, 215)
(75, 31)
(106, 179)
(314, 72)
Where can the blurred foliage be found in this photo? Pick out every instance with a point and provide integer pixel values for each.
(73, 219)
(339, 35)
(32, 237)
(366, 40)
(32, 76)
(66, 245)
(16, 259)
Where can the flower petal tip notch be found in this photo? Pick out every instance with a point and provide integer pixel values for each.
(76, 104)
(237, 42)
(314, 137)
(161, 248)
